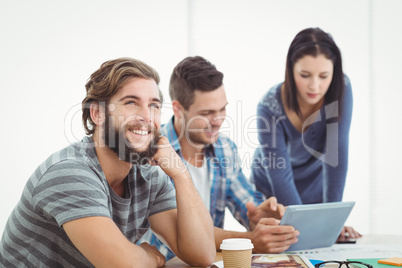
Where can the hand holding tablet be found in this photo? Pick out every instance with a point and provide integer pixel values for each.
(319, 224)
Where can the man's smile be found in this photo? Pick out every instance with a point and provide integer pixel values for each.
(140, 132)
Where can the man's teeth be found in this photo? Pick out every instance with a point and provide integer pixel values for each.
(140, 132)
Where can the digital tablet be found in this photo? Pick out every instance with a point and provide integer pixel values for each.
(319, 224)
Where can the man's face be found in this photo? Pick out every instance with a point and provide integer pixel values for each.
(132, 122)
(205, 116)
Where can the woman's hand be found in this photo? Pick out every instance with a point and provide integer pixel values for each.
(348, 233)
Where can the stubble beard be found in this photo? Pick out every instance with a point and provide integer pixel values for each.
(195, 137)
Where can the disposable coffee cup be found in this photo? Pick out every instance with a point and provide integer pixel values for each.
(236, 252)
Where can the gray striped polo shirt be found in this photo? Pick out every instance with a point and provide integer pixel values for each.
(70, 185)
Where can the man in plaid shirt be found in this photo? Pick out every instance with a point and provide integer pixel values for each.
(199, 105)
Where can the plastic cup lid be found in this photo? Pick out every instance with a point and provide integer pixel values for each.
(236, 244)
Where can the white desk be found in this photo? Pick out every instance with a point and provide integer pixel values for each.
(368, 246)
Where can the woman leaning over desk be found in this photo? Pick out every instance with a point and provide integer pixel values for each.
(303, 126)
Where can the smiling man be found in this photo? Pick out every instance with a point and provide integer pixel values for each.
(88, 204)
(199, 105)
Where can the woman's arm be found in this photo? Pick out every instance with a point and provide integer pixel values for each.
(273, 166)
(335, 173)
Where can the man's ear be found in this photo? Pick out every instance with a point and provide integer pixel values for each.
(97, 112)
(177, 109)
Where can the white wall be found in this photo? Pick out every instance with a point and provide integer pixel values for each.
(385, 128)
(48, 49)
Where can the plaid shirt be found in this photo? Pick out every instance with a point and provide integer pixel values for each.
(229, 186)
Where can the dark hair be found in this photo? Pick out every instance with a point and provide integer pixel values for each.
(108, 80)
(193, 73)
(314, 42)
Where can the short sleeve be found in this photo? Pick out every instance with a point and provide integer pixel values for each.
(69, 190)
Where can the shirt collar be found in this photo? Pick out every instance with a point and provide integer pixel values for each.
(169, 131)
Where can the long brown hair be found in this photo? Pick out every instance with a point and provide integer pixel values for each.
(314, 42)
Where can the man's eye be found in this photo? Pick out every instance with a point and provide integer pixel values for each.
(155, 105)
